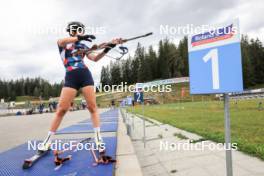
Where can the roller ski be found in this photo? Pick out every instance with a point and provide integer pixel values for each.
(59, 161)
(101, 158)
(99, 154)
(28, 163)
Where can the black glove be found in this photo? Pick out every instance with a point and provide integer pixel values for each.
(86, 37)
(109, 47)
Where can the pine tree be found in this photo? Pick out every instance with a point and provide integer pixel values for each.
(147, 72)
(140, 56)
(248, 69)
(115, 73)
(256, 53)
(36, 92)
(163, 59)
(183, 65)
(126, 71)
(105, 76)
(153, 63)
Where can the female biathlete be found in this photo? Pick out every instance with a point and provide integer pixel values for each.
(77, 76)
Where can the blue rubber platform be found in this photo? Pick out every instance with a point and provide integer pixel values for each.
(108, 116)
(88, 128)
(81, 164)
(102, 119)
(110, 113)
(90, 122)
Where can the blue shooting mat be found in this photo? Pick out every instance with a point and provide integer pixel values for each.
(81, 164)
(90, 122)
(109, 113)
(104, 119)
(88, 128)
(108, 116)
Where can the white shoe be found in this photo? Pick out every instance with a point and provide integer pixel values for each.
(100, 145)
(44, 147)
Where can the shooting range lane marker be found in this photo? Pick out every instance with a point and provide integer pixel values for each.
(215, 67)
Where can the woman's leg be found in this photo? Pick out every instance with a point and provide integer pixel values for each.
(89, 95)
(66, 97)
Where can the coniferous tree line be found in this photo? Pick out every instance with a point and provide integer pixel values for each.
(171, 61)
(147, 64)
(36, 87)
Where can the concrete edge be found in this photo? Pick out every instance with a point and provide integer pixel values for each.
(127, 161)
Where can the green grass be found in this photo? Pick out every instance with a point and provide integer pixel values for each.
(207, 120)
(26, 98)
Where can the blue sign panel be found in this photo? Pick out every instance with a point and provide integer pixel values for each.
(138, 97)
(215, 61)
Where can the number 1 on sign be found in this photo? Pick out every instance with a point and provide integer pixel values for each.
(213, 55)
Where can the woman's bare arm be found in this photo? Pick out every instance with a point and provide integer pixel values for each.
(63, 42)
(99, 56)
(95, 57)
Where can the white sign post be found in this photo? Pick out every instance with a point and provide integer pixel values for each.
(229, 166)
